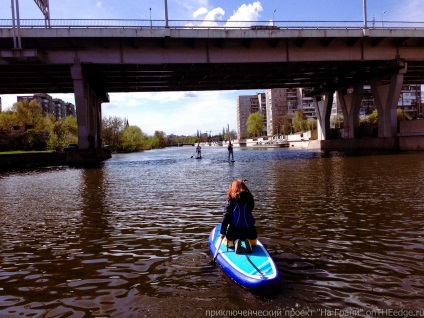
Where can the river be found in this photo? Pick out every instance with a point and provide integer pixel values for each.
(129, 238)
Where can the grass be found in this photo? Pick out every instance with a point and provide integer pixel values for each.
(22, 151)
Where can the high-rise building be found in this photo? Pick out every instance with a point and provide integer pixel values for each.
(294, 98)
(246, 105)
(277, 106)
(410, 100)
(62, 108)
(45, 101)
(54, 106)
(306, 104)
(367, 103)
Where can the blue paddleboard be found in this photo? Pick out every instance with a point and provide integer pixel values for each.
(256, 270)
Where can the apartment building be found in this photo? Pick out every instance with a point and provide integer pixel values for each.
(274, 105)
(54, 106)
(294, 98)
(277, 103)
(246, 105)
(410, 100)
(277, 106)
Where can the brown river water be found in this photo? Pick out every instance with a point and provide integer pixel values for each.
(129, 238)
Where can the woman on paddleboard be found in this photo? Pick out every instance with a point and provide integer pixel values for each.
(238, 223)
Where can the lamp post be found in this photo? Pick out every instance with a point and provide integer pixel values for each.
(166, 14)
(273, 17)
(16, 25)
(365, 14)
(150, 17)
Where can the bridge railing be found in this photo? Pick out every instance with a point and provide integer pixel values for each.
(207, 24)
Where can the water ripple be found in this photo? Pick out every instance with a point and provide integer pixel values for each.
(129, 239)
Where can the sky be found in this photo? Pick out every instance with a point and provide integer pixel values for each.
(184, 113)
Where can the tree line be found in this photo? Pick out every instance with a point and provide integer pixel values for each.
(27, 127)
(283, 125)
(301, 123)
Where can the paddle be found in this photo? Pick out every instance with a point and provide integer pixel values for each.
(216, 252)
(250, 261)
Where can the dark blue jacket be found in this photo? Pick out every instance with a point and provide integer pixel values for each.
(238, 213)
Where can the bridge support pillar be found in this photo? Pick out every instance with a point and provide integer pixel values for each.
(323, 104)
(350, 105)
(88, 108)
(89, 118)
(386, 97)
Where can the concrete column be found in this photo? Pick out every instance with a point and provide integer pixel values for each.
(81, 106)
(323, 105)
(350, 105)
(99, 123)
(386, 97)
(88, 109)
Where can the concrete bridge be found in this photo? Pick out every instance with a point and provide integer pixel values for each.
(92, 61)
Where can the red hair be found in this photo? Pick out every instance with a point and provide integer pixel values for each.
(236, 187)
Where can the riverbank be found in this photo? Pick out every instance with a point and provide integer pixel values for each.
(34, 159)
(26, 160)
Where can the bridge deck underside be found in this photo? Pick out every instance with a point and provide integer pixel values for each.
(22, 78)
(142, 64)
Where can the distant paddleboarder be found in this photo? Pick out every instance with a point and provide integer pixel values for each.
(230, 151)
(198, 151)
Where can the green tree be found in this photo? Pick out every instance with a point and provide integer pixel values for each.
(8, 121)
(133, 139)
(299, 121)
(281, 124)
(35, 140)
(337, 121)
(64, 132)
(231, 135)
(112, 128)
(34, 125)
(312, 123)
(373, 117)
(30, 115)
(401, 115)
(255, 124)
(158, 140)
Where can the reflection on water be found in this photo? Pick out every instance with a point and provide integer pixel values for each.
(129, 239)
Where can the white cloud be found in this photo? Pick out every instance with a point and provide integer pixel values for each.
(212, 16)
(249, 12)
(98, 4)
(246, 12)
(199, 12)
